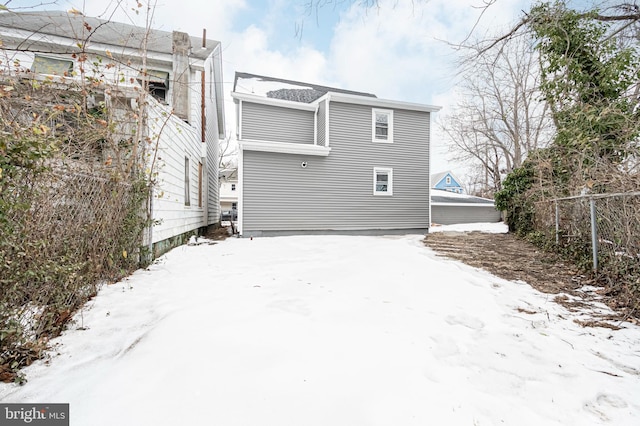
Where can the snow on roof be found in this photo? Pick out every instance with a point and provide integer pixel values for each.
(441, 196)
(258, 86)
(289, 90)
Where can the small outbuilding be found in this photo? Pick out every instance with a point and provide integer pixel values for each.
(448, 208)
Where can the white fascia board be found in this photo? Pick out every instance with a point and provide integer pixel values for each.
(381, 103)
(20, 36)
(283, 147)
(274, 102)
(464, 204)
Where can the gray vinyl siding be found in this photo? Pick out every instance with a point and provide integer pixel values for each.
(277, 124)
(322, 124)
(449, 215)
(336, 192)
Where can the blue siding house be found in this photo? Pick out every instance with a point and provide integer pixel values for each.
(315, 159)
(446, 181)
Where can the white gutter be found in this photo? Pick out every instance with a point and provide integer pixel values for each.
(283, 147)
(274, 102)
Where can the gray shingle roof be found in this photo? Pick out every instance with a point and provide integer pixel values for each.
(307, 93)
(437, 177)
(64, 24)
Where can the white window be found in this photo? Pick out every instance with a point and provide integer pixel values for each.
(382, 181)
(382, 125)
(158, 84)
(233, 186)
(54, 66)
(448, 180)
(187, 190)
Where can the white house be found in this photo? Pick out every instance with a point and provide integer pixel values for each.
(229, 189)
(185, 110)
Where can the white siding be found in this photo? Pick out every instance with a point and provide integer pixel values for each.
(177, 140)
(212, 133)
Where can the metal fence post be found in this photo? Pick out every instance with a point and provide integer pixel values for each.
(557, 222)
(594, 235)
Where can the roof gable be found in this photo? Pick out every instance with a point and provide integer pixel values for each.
(436, 178)
(72, 25)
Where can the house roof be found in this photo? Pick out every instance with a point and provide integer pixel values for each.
(288, 90)
(437, 177)
(439, 196)
(72, 25)
(306, 96)
(230, 173)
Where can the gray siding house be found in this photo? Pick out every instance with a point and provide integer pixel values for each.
(314, 159)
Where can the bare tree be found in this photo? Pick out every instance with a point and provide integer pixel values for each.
(500, 117)
(228, 153)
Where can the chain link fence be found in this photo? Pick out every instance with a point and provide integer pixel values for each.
(601, 232)
(76, 230)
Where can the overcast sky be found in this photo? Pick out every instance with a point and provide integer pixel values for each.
(396, 50)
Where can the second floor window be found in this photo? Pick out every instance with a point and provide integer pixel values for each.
(158, 84)
(233, 186)
(448, 180)
(382, 126)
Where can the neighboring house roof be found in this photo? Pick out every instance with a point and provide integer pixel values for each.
(60, 32)
(288, 90)
(71, 25)
(439, 196)
(437, 177)
(229, 173)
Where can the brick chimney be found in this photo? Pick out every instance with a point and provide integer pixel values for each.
(181, 49)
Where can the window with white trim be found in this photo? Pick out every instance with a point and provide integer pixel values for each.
(187, 190)
(382, 181)
(382, 125)
(54, 66)
(448, 180)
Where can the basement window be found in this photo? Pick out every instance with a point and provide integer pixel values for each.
(53, 66)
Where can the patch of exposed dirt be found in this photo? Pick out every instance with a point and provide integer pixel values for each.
(513, 259)
(218, 233)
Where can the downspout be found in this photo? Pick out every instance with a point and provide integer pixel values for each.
(203, 122)
(204, 175)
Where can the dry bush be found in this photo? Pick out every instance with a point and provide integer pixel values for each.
(72, 206)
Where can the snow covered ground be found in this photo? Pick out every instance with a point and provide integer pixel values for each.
(332, 330)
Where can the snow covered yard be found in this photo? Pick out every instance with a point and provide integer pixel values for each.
(332, 330)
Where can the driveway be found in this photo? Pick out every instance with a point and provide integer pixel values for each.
(332, 330)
